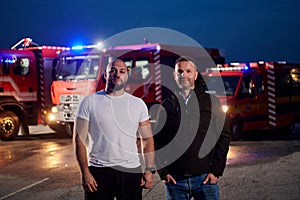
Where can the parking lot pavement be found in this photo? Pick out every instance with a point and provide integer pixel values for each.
(275, 179)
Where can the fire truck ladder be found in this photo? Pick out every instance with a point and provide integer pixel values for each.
(271, 95)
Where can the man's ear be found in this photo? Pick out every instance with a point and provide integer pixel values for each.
(105, 75)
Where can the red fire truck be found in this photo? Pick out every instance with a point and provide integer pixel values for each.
(257, 95)
(80, 72)
(25, 78)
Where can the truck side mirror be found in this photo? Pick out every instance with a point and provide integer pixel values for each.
(53, 72)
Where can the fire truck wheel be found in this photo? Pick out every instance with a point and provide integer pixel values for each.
(69, 128)
(58, 128)
(9, 125)
(236, 128)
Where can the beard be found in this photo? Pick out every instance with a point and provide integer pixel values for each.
(115, 87)
(119, 87)
(184, 84)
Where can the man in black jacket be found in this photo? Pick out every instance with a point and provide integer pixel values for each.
(192, 137)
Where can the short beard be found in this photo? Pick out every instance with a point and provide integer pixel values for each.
(114, 88)
(184, 86)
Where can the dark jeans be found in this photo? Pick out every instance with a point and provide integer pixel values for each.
(116, 183)
(186, 188)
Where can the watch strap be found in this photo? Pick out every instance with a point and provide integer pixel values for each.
(150, 169)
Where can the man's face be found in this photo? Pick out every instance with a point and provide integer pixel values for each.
(185, 74)
(117, 75)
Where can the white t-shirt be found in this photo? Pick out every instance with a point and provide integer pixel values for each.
(113, 124)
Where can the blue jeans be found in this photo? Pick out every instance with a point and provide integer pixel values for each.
(186, 188)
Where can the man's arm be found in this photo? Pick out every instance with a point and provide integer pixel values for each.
(80, 136)
(163, 135)
(148, 151)
(222, 145)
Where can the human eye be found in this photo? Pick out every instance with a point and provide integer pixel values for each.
(179, 71)
(112, 71)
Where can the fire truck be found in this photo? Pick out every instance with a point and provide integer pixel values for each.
(25, 79)
(257, 95)
(80, 72)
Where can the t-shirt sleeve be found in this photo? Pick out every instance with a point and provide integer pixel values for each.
(144, 112)
(83, 109)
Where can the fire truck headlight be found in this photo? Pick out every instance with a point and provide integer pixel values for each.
(51, 117)
(54, 109)
(224, 108)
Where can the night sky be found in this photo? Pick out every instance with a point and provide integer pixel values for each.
(246, 30)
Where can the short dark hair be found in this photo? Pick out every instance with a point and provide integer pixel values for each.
(111, 63)
(186, 58)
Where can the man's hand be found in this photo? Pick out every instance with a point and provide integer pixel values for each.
(147, 180)
(211, 178)
(89, 183)
(168, 178)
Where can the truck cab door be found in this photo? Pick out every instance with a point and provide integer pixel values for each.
(24, 79)
(251, 94)
(5, 65)
(246, 88)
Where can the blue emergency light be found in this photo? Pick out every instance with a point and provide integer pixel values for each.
(79, 47)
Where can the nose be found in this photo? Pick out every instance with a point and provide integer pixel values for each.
(183, 74)
(118, 73)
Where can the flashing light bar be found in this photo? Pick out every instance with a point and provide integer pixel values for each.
(82, 57)
(80, 47)
(227, 68)
(281, 62)
(148, 46)
(56, 48)
(10, 61)
(92, 46)
(77, 47)
(236, 64)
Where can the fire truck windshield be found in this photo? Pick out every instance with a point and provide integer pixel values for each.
(230, 85)
(78, 67)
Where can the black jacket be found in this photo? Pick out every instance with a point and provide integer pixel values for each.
(181, 130)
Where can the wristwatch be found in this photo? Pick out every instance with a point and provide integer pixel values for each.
(150, 169)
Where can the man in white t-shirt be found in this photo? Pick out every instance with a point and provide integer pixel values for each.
(108, 125)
